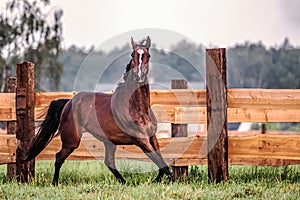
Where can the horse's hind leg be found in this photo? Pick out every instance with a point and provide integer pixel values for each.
(61, 156)
(70, 141)
(110, 150)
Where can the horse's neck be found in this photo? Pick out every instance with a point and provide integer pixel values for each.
(140, 98)
(131, 103)
(139, 95)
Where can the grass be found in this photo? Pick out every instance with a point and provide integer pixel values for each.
(92, 180)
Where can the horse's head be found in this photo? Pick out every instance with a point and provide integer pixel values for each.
(140, 59)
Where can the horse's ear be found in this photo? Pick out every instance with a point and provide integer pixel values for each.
(148, 42)
(133, 44)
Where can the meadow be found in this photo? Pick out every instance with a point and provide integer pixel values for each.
(92, 180)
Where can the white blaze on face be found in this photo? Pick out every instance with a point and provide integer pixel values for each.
(140, 52)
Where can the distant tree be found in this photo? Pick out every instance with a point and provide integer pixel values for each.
(29, 32)
(189, 59)
(286, 60)
(250, 65)
(253, 65)
(73, 58)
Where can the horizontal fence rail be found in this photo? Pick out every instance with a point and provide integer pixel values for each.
(251, 149)
(181, 106)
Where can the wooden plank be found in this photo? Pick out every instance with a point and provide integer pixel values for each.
(281, 146)
(190, 115)
(244, 105)
(177, 97)
(185, 151)
(7, 100)
(264, 98)
(194, 115)
(162, 97)
(7, 106)
(8, 145)
(237, 98)
(263, 115)
(197, 115)
(43, 100)
(90, 149)
(245, 149)
(164, 113)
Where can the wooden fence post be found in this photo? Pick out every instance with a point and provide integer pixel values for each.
(11, 127)
(216, 100)
(179, 130)
(25, 119)
(263, 128)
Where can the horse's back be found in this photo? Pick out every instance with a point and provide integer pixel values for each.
(93, 113)
(93, 105)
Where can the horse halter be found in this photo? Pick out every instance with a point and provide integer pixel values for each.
(140, 60)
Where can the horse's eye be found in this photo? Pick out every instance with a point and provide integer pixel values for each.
(148, 56)
(132, 55)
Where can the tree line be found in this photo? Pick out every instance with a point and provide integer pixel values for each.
(250, 65)
(253, 65)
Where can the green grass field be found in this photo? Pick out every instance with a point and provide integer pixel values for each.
(92, 180)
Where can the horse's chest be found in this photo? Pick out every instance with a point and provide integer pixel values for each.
(140, 118)
(144, 124)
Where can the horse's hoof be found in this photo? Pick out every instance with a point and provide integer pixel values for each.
(55, 183)
(122, 181)
(172, 179)
(157, 180)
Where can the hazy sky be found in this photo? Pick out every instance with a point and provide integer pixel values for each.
(222, 23)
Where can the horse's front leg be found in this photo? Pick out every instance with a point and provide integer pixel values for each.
(110, 150)
(164, 170)
(151, 149)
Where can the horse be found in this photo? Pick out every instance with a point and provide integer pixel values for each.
(124, 117)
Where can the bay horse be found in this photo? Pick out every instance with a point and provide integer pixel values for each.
(121, 118)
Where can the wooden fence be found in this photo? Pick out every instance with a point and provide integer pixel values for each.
(185, 106)
(244, 105)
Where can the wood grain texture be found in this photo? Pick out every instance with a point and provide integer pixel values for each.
(216, 104)
(188, 106)
(11, 127)
(243, 149)
(25, 119)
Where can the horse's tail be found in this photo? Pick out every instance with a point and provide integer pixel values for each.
(47, 129)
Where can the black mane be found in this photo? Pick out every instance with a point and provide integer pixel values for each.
(128, 67)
